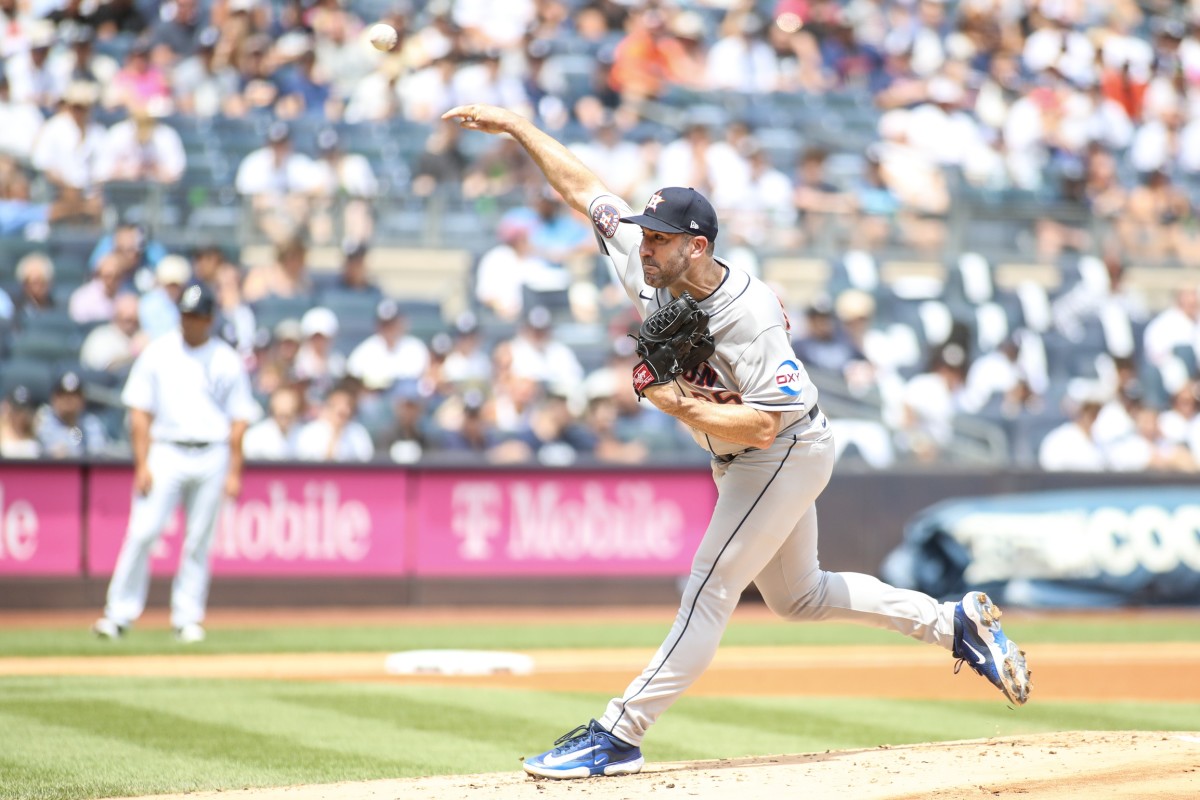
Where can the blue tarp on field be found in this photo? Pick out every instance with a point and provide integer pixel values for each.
(1081, 548)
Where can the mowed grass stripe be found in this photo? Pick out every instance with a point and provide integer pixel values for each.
(341, 639)
(73, 739)
(54, 760)
(170, 734)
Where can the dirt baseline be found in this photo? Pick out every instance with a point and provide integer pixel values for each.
(1058, 766)
(1161, 672)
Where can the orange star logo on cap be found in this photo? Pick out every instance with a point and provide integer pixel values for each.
(653, 202)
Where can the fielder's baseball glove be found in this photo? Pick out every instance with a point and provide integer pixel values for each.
(671, 341)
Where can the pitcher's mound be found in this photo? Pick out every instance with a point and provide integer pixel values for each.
(1134, 765)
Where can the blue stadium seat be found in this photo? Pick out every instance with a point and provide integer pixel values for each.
(46, 346)
(270, 311)
(12, 250)
(32, 373)
(52, 322)
(355, 312)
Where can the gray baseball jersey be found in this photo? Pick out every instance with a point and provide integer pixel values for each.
(754, 363)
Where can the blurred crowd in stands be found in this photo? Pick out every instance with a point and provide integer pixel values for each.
(859, 125)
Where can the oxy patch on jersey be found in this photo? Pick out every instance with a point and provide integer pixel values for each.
(606, 219)
(789, 379)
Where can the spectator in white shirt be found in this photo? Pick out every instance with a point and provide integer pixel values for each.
(279, 183)
(507, 268)
(1070, 447)
(485, 82)
(1057, 46)
(17, 436)
(338, 175)
(69, 144)
(113, 346)
(317, 362)
(78, 59)
(276, 437)
(743, 61)
(940, 129)
(1147, 448)
(202, 83)
(1177, 325)
(20, 121)
(468, 362)
(765, 206)
(494, 24)
(536, 355)
(426, 93)
(607, 153)
(141, 148)
(931, 402)
(335, 435)
(390, 354)
(29, 71)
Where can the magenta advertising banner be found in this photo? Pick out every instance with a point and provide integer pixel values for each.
(286, 523)
(560, 523)
(40, 520)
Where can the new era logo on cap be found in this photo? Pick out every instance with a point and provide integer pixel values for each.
(678, 210)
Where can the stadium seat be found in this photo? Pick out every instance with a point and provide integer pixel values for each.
(270, 311)
(45, 346)
(12, 250)
(52, 322)
(34, 374)
(349, 307)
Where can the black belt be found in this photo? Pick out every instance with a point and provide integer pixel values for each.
(725, 459)
(189, 445)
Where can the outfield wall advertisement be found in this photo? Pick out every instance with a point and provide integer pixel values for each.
(1136, 541)
(1058, 549)
(562, 523)
(40, 509)
(286, 523)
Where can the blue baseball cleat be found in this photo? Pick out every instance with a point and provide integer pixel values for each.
(586, 751)
(979, 641)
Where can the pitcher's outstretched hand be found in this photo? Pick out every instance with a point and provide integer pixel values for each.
(481, 117)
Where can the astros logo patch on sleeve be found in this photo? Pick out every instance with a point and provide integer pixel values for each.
(607, 218)
(787, 378)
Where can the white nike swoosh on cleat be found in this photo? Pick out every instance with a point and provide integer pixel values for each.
(978, 654)
(554, 761)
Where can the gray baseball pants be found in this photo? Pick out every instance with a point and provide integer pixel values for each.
(764, 529)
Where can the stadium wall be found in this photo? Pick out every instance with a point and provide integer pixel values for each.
(336, 535)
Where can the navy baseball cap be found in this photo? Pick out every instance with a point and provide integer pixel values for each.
(678, 210)
(198, 299)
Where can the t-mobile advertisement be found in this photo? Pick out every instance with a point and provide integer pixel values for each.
(39, 520)
(576, 523)
(287, 522)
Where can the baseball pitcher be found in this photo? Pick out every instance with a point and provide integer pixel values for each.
(716, 355)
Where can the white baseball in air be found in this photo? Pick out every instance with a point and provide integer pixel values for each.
(383, 36)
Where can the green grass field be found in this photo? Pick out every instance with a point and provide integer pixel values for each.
(69, 738)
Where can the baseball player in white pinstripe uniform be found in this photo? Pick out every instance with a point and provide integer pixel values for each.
(753, 407)
(189, 405)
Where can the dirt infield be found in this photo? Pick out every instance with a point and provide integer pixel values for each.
(1162, 672)
(1058, 766)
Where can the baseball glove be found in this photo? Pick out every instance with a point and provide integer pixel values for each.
(671, 341)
